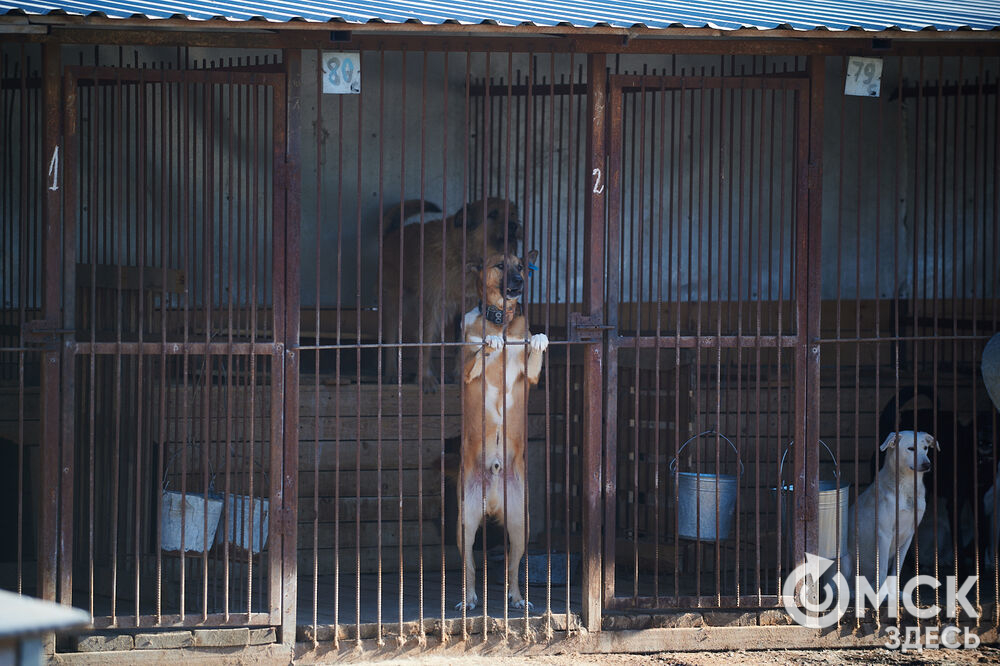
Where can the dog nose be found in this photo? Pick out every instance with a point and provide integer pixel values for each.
(514, 281)
(924, 467)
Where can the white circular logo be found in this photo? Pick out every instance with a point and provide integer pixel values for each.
(829, 606)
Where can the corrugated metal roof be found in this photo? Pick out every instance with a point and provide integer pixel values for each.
(720, 14)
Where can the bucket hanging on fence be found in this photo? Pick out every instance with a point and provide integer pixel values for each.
(831, 493)
(706, 500)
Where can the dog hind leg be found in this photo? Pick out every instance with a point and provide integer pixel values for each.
(517, 529)
(469, 518)
(432, 335)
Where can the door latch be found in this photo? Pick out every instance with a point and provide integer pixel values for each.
(584, 328)
(43, 331)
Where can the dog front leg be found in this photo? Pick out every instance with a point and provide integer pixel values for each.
(903, 549)
(884, 553)
(537, 345)
(474, 365)
(469, 518)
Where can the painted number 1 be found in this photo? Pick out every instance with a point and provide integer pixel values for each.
(54, 170)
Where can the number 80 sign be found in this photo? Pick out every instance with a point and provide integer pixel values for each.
(341, 73)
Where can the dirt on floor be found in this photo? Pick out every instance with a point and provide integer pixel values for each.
(981, 655)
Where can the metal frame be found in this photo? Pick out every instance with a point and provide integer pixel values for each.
(60, 289)
(806, 278)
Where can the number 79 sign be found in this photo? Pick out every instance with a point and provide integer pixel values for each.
(341, 73)
(864, 76)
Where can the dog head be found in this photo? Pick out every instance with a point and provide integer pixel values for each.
(501, 279)
(494, 220)
(913, 449)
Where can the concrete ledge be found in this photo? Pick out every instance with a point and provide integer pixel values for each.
(237, 637)
(102, 642)
(164, 640)
(263, 636)
(259, 655)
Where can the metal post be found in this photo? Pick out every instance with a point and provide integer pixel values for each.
(593, 286)
(289, 509)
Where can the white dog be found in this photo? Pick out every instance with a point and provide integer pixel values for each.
(878, 531)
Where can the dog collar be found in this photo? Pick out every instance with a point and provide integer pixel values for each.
(492, 314)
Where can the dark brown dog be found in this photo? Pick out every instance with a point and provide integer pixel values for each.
(409, 306)
(501, 359)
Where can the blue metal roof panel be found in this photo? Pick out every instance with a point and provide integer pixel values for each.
(720, 14)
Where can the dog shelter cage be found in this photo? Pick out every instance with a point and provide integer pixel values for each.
(745, 277)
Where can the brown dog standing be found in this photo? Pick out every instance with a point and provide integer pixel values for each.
(494, 372)
(489, 223)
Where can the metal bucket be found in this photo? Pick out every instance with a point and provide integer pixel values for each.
(828, 510)
(188, 513)
(706, 501)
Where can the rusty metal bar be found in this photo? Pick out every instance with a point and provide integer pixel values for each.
(318, 221)
(466, 178)
(357, 301)
(139, 154)
(228, 192)
(420, 405)
(444, 253)
(166, 213)
(116, 251)
(337, 364)
(184, 248)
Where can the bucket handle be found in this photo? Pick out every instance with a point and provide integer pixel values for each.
(836, 463)
(673, 461)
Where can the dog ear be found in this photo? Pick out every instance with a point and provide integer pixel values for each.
(937, 445)
(532, 257)
(890, 441)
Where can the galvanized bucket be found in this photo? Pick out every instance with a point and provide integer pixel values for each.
(706, 502)
(831, 494)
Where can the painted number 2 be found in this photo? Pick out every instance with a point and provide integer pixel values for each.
(598, 185)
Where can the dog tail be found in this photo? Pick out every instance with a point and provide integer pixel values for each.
(394, 216)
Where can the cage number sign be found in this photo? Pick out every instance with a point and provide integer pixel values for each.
(864, 77)
(341, 73)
